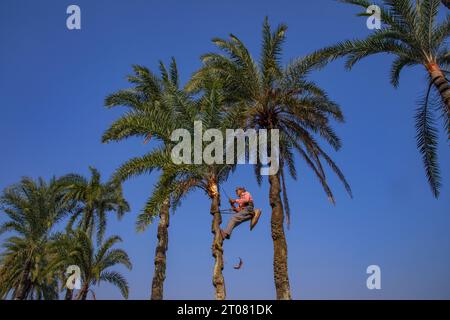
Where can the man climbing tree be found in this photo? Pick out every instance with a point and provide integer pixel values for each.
(243, 212)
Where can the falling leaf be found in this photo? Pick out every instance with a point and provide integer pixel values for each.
(239, 265)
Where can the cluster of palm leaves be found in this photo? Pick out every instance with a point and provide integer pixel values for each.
(231, 90)
(411, 33)
(36, 257)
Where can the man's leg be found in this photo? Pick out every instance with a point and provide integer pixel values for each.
(236, 220)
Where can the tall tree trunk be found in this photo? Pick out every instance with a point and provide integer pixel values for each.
(25, 282)
(82, 295)
(160, 254)
(440, 83)
(69, 294)
(280, 267)
(217, 246)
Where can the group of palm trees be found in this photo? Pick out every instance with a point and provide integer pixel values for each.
(230, 90)
(36, 258)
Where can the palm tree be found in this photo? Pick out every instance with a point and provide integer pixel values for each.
(32, 208)
(95, 263)
(156, 106)
(274, 97)
(62, 249)
(180, 179)
(207, 178)
(159, 107)
(43, 282)
(411, 33)
(95, 200)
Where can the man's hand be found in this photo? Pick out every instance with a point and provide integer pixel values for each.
(231, 201)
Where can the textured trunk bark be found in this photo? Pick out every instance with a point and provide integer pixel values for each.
(82, 295)
(160, 254)
(441, 84)
(217, 246)
(69, 294)
(280, 267)
(24, 284)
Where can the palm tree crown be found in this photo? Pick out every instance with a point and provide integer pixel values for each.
(95, 199)
(412, 34)
(271, 96)
(95, 263)
(32, 208)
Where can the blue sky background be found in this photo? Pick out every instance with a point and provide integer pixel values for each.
(53, 82)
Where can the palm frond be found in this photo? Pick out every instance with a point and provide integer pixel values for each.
(427, 142)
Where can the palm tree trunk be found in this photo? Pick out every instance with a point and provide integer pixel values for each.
(441, 84)
(24, 284)
(69, 294)
(160, 254)
(82, 295)
(279, 240)
(217, 246)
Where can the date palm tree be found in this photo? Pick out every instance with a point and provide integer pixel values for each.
(32, 208)
(156, 106)
(158, 115)
(276, 97)
(43, 282)
(180, 179)
(62, 250)
(95, 263)
(95, 200)
(411, 33)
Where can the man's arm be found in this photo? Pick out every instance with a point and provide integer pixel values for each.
(232, 203)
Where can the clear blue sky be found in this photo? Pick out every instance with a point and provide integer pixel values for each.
(53, 82)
